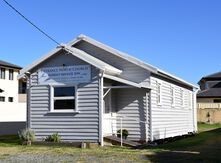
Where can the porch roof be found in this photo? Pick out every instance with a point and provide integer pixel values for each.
(124, 81)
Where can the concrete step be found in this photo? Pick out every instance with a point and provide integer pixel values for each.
(116, 141)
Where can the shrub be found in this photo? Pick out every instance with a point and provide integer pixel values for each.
(125, 133)
(53, 138)
(26, 136)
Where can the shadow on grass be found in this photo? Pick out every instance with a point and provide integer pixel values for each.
(203, 147)
(9, 140)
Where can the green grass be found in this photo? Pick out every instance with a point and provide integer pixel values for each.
(203, 147)
(206, 127)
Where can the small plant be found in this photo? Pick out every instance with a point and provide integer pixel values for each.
(27, 136)
(53, 138)
(125, 133)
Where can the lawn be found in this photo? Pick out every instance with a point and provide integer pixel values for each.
(203, 147)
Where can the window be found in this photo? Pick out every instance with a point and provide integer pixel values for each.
(22, 87)
(217, 100)
(190, 100)
(11, 74)
(172, 94)
(159, 93)
(10, 99)
(63, 98)
(2, 99)
(182, 97)
(2, 73)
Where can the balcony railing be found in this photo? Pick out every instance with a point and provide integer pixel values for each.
(209, 105)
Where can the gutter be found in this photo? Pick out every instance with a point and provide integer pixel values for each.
(194, 105)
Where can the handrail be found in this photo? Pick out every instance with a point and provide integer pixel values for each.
(128, 118)
(121, 124)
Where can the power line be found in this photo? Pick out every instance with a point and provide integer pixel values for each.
(30, 22)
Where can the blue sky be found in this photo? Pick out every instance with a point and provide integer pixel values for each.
(182, 37)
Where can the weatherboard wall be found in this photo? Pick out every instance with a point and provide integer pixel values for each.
(132, 106)
(82, 126)
(169, 120)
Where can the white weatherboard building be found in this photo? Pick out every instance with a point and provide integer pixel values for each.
(12, 104)
(81, 90)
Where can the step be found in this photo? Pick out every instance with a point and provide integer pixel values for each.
(117, 141)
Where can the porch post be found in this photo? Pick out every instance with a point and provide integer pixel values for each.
(101, 83)
(150, 119)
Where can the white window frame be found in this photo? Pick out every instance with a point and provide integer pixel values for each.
(172, 94)
(52, 98)
(159, 92)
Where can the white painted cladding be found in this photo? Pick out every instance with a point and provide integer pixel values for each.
(169, 119)
(11, 111)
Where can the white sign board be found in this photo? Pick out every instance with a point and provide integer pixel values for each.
(66, 74)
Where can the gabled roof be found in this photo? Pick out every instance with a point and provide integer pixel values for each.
(129, 58)
(113, 51)
(102, 65)
(77, 53)
(10, 65)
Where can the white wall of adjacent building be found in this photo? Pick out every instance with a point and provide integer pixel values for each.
(14, 111)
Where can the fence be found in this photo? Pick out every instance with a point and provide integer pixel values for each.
(209, 112)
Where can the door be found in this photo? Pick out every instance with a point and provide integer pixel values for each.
(107, 115)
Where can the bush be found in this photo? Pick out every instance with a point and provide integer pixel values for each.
(125, 133)
(53, 138)
(26, 136)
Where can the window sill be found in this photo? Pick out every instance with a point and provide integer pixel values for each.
(63, 112)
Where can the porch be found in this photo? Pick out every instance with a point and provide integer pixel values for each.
(125, 106)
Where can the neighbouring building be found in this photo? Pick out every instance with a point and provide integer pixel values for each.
(12, 99)
(209, 99)
(83, 89)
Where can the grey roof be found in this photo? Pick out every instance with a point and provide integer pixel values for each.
(7, 64)
(214, 91)
(214, 75)
(210, 93)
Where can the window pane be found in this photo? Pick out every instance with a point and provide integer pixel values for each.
(64, 91)
(10, 99)
(64, 104)
(2, 73)
(2, 98)
(11, 71)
